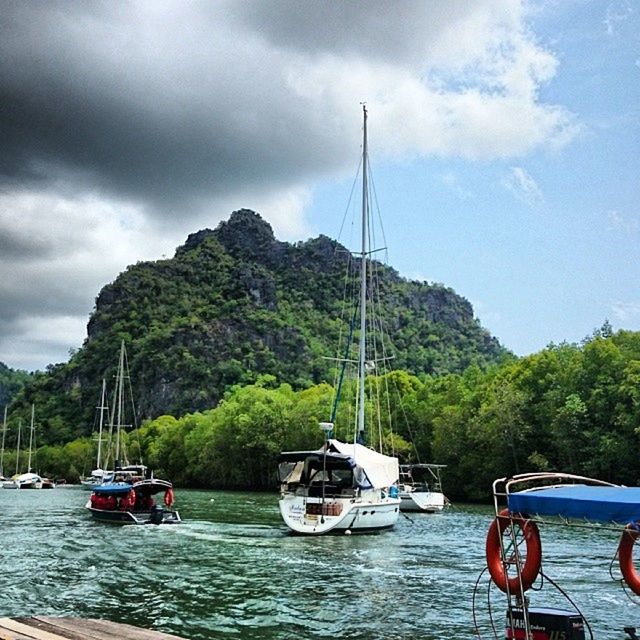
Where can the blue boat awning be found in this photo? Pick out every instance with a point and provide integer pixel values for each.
(596, 503)
(113, 488)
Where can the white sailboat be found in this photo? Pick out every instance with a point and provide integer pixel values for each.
(343, 487)
(421, 488)
(4, 435)
(29, 480)
(98, 475)
(12, 484)
(123, 470)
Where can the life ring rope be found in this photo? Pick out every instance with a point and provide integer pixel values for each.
(498, 566)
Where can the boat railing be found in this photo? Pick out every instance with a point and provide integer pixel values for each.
(505, 487)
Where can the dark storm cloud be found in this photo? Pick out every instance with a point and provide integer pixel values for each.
(375, 29)
(20, 248)
(156, 102)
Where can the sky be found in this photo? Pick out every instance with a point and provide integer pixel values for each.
(503, 140)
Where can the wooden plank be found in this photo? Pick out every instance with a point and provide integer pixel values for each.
(47, 628)
(41, 624)
(6, 634)
(96, 629)
(25, 630)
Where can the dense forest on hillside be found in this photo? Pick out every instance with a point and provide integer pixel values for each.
(235, 304)
(11, 383)
(574, 408)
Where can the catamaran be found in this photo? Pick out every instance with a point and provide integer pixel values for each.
(343, 486)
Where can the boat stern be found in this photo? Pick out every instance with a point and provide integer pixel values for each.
(313, 516)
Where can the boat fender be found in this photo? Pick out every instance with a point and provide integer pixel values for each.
(533, 559)
(625, 557)
(168, 497)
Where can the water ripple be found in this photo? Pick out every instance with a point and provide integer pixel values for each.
(231, 570)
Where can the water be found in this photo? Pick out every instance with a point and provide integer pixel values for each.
(232, 571)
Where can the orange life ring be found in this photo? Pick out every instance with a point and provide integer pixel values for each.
(533, 558)
(168, 497)
(625, 557)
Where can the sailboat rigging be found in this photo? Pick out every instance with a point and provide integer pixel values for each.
(344, 487)
(29, 480)
(99, 475)
(4, 436)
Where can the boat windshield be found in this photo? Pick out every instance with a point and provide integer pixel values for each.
(317, 469)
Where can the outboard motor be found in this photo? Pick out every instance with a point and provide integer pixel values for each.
(157, 514)
(545, 624)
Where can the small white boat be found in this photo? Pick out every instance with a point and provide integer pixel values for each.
(421, 488)
(28, 481)
(10, 484)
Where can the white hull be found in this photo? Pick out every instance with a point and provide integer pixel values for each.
(368, 512)
(424, 501)
(29, 481)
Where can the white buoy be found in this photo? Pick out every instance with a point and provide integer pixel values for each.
(347, 532)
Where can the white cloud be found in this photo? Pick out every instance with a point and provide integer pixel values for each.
(625, 311)
(618, 222)
(617, 14)
(451, 180)
(523, 186)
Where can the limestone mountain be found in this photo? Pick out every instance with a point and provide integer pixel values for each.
(235, 303)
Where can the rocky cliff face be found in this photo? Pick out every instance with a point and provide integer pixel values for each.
(235, 303)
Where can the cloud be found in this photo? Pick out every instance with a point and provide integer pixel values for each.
(617, 14)
(625, 311)
(616, 221)
(199, 99)
(451, 180)
(523, 186)
(126, 126)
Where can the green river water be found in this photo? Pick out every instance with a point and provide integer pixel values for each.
(231, 570)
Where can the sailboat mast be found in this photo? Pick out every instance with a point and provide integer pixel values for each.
(363, 285)
(31, 438)
(120, 394)
(18, 446)
(101, 408)
(4, 434)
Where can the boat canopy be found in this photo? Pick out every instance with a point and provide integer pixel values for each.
(370, 468)
(381, 471)
(152, 486)
(113, 488)
(615, 504)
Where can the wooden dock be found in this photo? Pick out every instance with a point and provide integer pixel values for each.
(45, 628)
